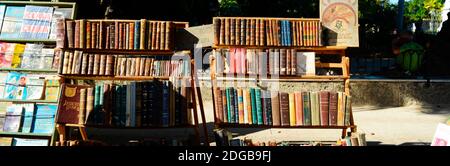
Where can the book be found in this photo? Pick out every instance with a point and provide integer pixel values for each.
(441, 136)
(36, 22)
(30, 142)
(69, 104)
(12, 22)
(28, 116)
(6, 141)
(2, 14)
(44, 121)
(13, 118)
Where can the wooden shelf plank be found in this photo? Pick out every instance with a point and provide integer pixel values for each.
(123, 51)
(271, 18)
(123, 78)
(29, 70)
(269, 77)
(46, 41)
(115, 127)
(299, 48)
(222, 125)
(27, 135)
(27, 101)
(329, 65)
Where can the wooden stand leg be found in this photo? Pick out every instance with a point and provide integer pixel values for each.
(62, 133)
(83, 133)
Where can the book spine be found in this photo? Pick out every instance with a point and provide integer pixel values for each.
(88, 31)
(306, 109)
(224, 106)
(82, 111)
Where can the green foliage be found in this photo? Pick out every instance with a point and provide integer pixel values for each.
(417, 10)
(229, 8)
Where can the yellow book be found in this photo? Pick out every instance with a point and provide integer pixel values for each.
(249, 106)
(340, 118)
(18, 50)
(240, 106)
(292, 116)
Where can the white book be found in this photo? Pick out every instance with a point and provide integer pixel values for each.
(306, 63)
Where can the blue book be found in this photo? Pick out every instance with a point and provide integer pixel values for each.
(137, 34)
(236, 106)
(165, 105)
(27, 118)
(227, 92)
(288, 32)
(254, 108)
(269, 108)
(232, 103)
(12, 22)
(45, 118)
(29, 142)
(259, 113)
(2, 14)
(282, 32)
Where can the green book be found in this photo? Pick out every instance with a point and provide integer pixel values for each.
(348, 108)
(236, 108)
(254, 108)
(230, 109)
(93, 118)
(315, 109)
(306, 109)
(259, 112)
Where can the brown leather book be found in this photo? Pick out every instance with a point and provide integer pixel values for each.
(257, 31)
(88, 34)
(333, 109)
(89, 103)
(162, 36)
(77, 34)
(102, 65)
(288, 61)
(116, 34)
(96, 64)
(267, 33)
(283, 63)
(227, 31)
(137, 66)
(247, 31)
(219, 105)
(70, 26)
(109, 65)
(216, 24)
(154, 34)
(222, 32)
(85, 63)
(143, 35)
(224, 106)
(94, 38)
(69, 104)
(293, 33)
(142, 66)
(65, 62)
(82, 33)
(100, 35)
(120, 36)
(82, 104)
(131, 36)
(232, 31)
(324, 107)
(261, 32)
(90, 70)
(169, 35)
(237, 33)
(293, 62)
(158, 35)
(275, 100)
(284, 109)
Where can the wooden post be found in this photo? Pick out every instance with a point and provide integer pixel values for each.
(62, 133)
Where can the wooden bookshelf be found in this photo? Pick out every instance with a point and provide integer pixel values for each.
(27, 101)
(119, 127)
(45, 41)
(194, 105)
(25, 135)
(123, 51)
(318, 50)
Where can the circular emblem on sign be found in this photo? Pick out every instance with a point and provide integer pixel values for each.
(339, 16)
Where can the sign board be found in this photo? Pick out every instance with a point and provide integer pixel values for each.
(203, 35)
(340, 22)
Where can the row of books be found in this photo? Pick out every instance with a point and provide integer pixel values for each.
(11, 141)
(83, 63)
(30, 21)
(262, 107)
(267, 32)
(128, 35)
(22, 86)
(265, 61)
(26, 56)
(27, 118)
(137, 104)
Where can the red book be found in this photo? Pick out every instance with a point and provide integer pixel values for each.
(333, 109)
(298, 108)
(324, 105)
(69, 104)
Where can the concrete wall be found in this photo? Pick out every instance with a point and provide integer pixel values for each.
(374, 92)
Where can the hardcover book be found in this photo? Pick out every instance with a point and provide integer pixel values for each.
(69, 104)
